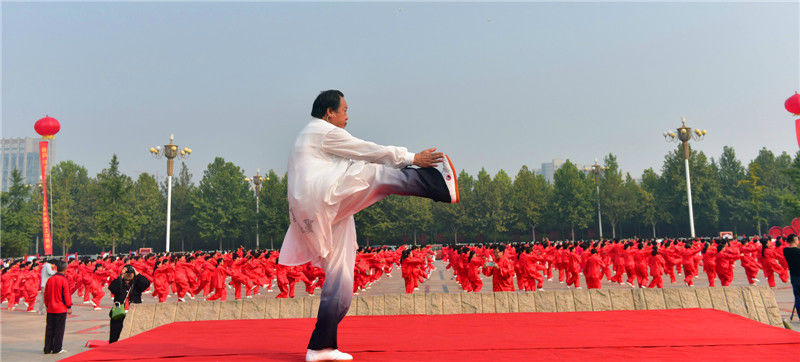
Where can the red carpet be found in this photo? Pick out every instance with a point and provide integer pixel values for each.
(682, 334)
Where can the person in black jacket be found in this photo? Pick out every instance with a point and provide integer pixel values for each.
(130, 284)
(792, 255)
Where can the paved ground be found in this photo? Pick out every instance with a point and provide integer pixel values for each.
(22, 334)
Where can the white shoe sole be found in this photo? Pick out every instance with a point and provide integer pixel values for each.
(450, 179)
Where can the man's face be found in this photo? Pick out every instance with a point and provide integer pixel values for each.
(127, 276)
(339, 117)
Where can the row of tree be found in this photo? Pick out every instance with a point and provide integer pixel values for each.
(113, 212)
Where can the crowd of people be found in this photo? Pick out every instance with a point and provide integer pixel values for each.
(640, 262)
(633, 262)
(189, 275)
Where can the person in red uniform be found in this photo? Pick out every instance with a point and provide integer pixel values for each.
(473, 263)
(689, 267)
(726, 256)
(409, 266)
(656, 263)
(573, 265)
(161, 280)
(206, 268)
(283, 281)
(239, 278)
(31, 285)
(218, 281)
(501, 271)
(594, 271)
(184, 272)
(749, 260)
(640, 261)
(99, 279)
(57, 299)
(709, 262)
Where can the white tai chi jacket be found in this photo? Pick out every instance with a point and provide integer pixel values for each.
(326, 165)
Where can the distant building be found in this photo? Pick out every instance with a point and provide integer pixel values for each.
(549, 169)
(23, 154)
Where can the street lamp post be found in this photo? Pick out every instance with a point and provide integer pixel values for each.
(596, 169)
(684, 134)
(257, 180)
(170, 151)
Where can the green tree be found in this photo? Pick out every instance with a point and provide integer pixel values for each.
(612, 200)
(455, 218)
(755, 192)
(529, 198)
(633, 200)
(571, 198)
(491, 209)
(732, 209)
(777, 184)
(182, 228)
(69, 185)
(653, 209)
(413, 214)
(149, 210)
(18, 229)
(705, 192)
(222, 202)
(274, 208)
(114, 222)
(792, 198)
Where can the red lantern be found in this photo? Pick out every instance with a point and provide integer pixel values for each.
(47, 127)
(792, 104)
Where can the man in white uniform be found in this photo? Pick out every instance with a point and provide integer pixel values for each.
(331, 176)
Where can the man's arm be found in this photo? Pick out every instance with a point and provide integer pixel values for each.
(341, 143)
(66, 295)
(141, 282)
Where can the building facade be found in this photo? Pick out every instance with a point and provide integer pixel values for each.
(23, 154)
(549, 169)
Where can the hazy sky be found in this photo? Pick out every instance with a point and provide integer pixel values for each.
(494, 85)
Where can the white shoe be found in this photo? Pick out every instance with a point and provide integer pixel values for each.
(269, 290)
(87, 302)
(327, 355)
(148, 292)
(450, 179)
(98, 308)
(249, 297)
(181, 300)
(62, 351)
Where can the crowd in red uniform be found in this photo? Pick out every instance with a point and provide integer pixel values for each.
(191, 274)
(210, 274)
(643, 262)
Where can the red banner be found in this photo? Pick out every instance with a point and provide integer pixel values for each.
(46, 237)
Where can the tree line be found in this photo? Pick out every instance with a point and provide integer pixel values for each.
(114, 212)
